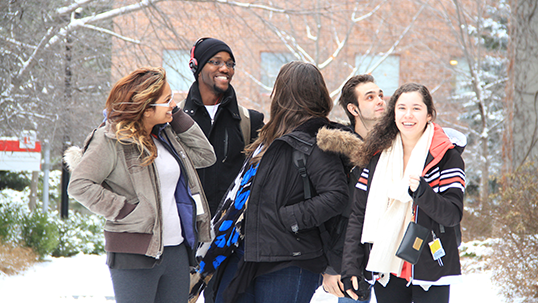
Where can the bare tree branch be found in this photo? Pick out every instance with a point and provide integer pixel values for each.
(389, 52)
(49, 39)
(109, 32)
(17, 43)
(66, 10)
(42, 44)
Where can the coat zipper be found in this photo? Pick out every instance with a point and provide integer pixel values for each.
(225, 145)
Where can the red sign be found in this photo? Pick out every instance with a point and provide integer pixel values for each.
(20, 154)
(18, 146)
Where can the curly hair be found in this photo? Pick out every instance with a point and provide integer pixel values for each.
(299, 94)
(385, 131)
(130, 97)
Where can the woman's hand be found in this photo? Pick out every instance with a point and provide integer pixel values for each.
(357, 289)
(414, 182)
(354, 286)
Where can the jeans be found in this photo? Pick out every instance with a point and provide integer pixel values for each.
(229, 273)
(290, 285)
(349, 300)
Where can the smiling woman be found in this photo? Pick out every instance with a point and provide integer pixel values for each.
(416, 161)
(139, 171)
(411, 116)
(161, 111)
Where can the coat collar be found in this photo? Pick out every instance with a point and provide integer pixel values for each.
(110, 131)
(194, 101)
(303, 137)
(439, 146)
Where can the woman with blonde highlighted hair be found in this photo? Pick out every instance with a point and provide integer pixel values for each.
(139, 171)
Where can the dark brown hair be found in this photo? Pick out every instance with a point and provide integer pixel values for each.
(298, 95)
(385, 131)
(349, 94)
(129, 99)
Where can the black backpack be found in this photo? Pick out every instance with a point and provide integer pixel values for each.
(333, 231)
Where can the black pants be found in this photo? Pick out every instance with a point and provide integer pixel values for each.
(167, 282)
(396, 291)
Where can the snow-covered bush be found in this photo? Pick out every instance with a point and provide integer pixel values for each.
(24, 228)
(80, 233)
(47, 233)
(515, 257)
(40, 232)
(475, 255)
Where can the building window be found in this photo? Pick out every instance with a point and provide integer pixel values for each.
(386, 74)
(271, 64)
(461, 82)
(178, 72)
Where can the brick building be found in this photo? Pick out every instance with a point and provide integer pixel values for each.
(342, 39)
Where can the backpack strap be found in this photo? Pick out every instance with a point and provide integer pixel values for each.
(299, 159)
(245, 123)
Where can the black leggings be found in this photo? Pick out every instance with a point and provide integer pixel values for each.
(396, 291)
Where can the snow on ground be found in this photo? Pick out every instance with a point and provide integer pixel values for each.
(86, 279)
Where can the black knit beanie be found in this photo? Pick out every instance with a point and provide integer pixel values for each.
(207, 49)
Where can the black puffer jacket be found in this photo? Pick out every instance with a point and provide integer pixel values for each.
(227, 139)
(279, 224)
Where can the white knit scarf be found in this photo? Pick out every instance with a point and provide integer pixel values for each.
(389, 206)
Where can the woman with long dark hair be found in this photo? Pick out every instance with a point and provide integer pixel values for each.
(273, 228)
(413, 172)
(139, 172)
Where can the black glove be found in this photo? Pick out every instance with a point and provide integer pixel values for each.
(364, 290)
(181, 121)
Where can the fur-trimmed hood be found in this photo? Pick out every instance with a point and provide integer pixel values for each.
(72, 157)
(340, 141)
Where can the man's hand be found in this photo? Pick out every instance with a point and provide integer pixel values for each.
(333, 285)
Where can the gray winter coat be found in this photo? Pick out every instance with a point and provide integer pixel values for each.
(110, 181)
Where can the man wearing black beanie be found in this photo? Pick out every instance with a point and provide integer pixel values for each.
(212, 103)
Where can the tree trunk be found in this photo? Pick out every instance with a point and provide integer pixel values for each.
(484, 179)
(33, 190)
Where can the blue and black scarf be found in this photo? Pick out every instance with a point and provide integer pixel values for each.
(228, 223)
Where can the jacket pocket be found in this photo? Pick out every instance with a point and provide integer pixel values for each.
(140, 220)
(288, 218)
(127, 209)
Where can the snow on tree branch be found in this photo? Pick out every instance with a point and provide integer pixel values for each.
(109, 32)
(66, 10)
(42, 44)
(369, 14)
(50, 39)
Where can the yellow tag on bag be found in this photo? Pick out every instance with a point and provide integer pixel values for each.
(437, 249)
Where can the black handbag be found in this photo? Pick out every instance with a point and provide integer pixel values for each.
(412, 243)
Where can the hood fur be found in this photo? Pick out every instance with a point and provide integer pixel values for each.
(72, 157)
(339, 141)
